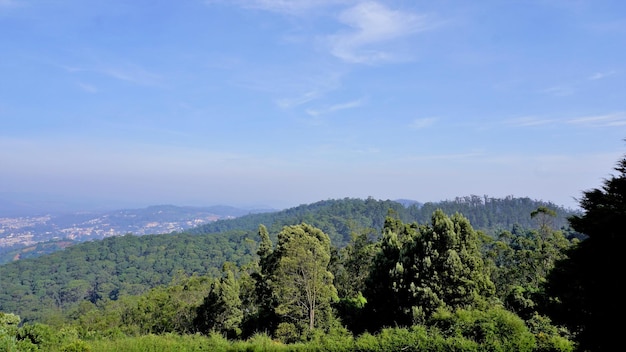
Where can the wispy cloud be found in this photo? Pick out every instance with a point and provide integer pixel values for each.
(287, 103)
(87, 87)
(601, 75)
(372, 25)
(132, 74)
(334, 108)
(451, 156)
(616, 26)
(607, 120)
(528, 121)
(559, 91)
(422, 123)
(308, 86)
(124, 72)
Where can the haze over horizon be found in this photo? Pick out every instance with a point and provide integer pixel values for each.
(281, 103)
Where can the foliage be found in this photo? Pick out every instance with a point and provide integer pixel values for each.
(580, 292)
(36, 289)
(520, 261)
(221, 310)
(421, 268)
(430, 286)
(300, 281)
(44, 289)
(494, 329)
(340, 218)
(163, 309)
(549, 337)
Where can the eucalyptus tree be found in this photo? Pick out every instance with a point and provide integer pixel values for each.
(302, 283)
(294, 284)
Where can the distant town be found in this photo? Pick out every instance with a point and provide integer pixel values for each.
(25, 231)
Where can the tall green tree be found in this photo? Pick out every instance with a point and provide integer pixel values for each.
(299, 279)
(264, 300)
(386, 303)
(221, 309)
(353, 265)
(585, 290)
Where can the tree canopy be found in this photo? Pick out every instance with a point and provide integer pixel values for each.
(584, 291)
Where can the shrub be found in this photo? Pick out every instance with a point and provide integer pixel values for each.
(495, 330)
(367, 342)
(76, 346)
(287, 333)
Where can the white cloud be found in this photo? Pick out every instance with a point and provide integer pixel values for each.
(422, 123)
(311, 86)
(528, 121)
(559, 91)
(303, 99)
(601, 75)
(336, 107)
(616, 26)
(125, 72)
(88, 87)
(373, 24)
(132, 74)
(608, 120)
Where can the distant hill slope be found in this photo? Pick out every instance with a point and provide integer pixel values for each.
(123, 265)
(113, 267)
(339, 217)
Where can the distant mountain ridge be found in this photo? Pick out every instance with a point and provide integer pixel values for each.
(339, 217)
(25, 236)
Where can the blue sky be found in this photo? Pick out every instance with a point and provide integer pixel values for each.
(281, 103)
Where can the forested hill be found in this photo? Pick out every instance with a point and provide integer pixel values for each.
(128, 265)
(338, 218)
(493, 214)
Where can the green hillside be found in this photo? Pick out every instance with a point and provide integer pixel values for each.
(128, 265)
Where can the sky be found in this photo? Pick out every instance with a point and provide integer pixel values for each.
(282, 102)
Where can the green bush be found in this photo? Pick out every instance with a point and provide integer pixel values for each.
(287, 333)
(549, 337)
(38, 334)
(337, 340)
(76, 346)
(395, 339)
(367, 342)
(496, 330)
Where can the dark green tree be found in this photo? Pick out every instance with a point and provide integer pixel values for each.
(421, 268)
(221, 309)
(265, 318)
(386, 306)
(584, 291)
(351, 267)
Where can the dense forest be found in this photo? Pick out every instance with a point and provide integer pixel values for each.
(471, 274)
(339, 218)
